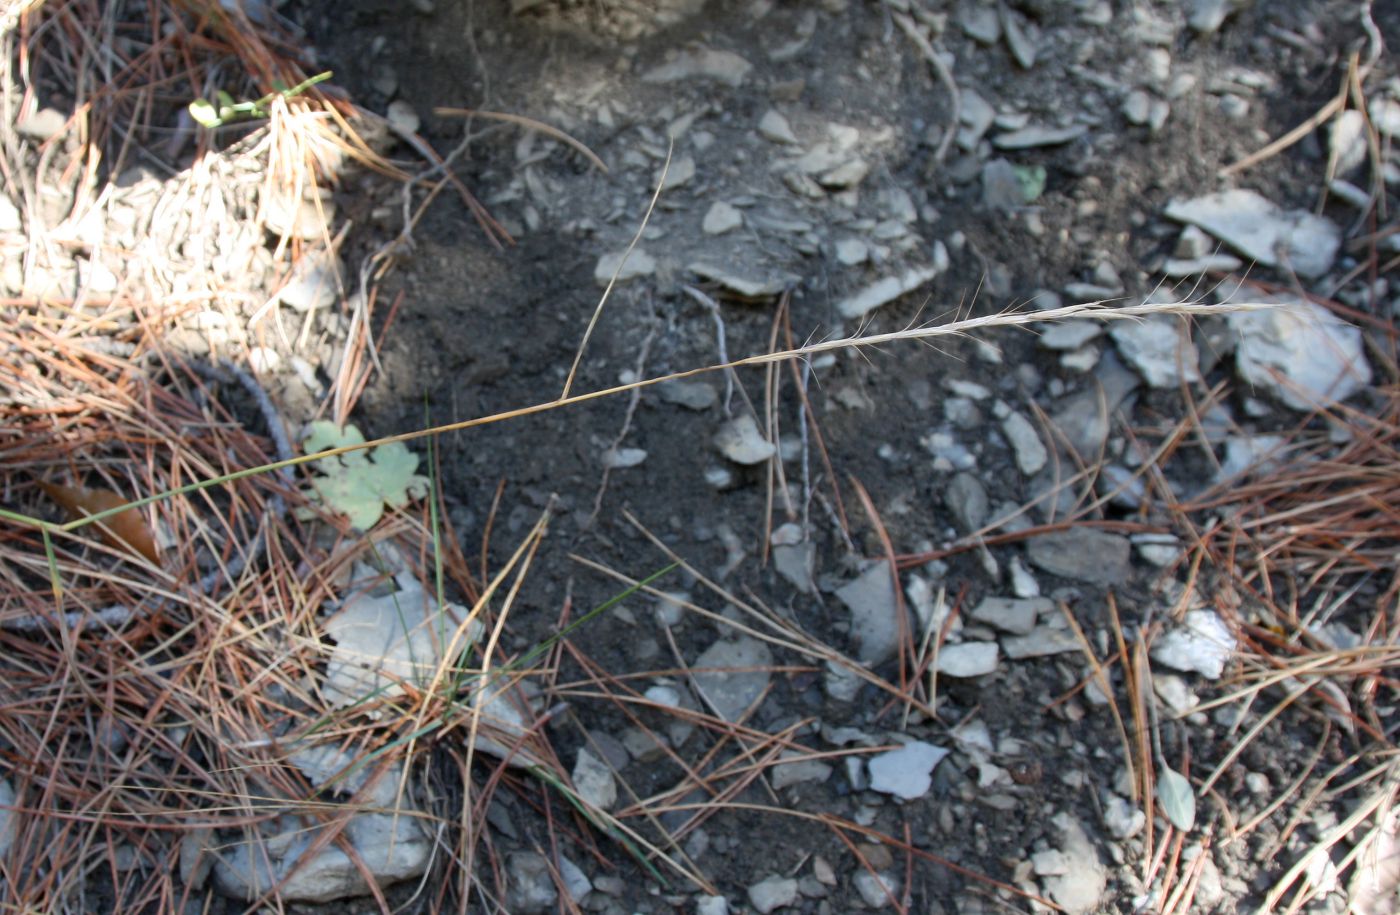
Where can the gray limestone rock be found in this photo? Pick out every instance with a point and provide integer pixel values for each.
(875, 624)
(1082, 554)
(966, 498)
(1015, 615)
(1260, 230)
(1304, 354)
(773, 892)
(735, 675)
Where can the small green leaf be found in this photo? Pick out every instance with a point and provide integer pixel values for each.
(361, 483)
(1031, 178)
(204, 114)
(1176, 797)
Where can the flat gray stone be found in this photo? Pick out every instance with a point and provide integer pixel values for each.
(773, 892)
(688, 393)
(748, 286)
(980, 22)
(720, 218)
(874, 613)
(530, 884)
(737, 676)
(878, 890)
(1031, 455)
(775, 128)
(1201, 644)
(1082, 554)
(1079, 885)
(1263, 231)
(1010, 614)
(1029, 137)
(701, 63)
(594, 780)
(1040, 642)
(1001, 188)
(968, 659)
(884, 291)
(966, 498)
(627, 266)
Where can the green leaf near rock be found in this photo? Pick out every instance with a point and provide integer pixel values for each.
(1177, 799)
(1031, 178)
(361, 483)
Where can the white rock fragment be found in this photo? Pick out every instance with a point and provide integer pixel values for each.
(389, 843)
(627, 266)
(884, 291)
(852, 251)
(1031, 455)
(773, 892)
(9, 215)
(1262, 231)
(775, 128)
(1246, 453)
(1122, 819)
(402, 116)
(742, 442)
(622, 458)
(1202, 643)
(906, 773)
(1069, 335)
(878, 890)
(1080, 884)
(721, 217)
(701, 63)
(594, 781)
(678, 173)
(1028, 137)
(1304, 354)
(711, 905)
(968, 659)
(1158, 347)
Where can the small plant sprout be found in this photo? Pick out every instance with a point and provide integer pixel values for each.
(358, 484)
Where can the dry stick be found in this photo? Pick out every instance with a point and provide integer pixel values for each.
(1297, 133)
(612, 280)
(931, 55)
(1090, 310)
(528, 124)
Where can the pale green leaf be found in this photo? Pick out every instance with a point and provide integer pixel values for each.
(204, 114)
(1031, 179)
(361, 483)
(1177, 799)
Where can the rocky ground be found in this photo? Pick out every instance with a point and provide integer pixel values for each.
(829, 169)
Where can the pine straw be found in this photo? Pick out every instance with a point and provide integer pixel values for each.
(120, 742)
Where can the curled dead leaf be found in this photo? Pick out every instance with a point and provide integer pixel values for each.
(125, 530)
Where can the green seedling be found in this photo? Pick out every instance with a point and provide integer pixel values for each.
(224, 110)
(358, 484)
